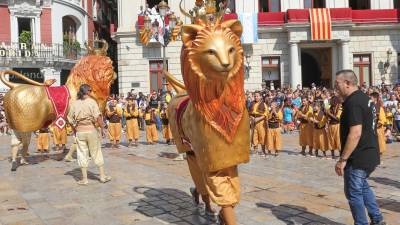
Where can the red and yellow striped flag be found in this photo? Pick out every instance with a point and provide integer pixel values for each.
(321, 24)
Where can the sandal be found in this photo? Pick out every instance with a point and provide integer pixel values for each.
(105, 179)
(82, 182)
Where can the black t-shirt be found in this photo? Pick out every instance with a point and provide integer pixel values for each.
(358, 109)
(153, 103)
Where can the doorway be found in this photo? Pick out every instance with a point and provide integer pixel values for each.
(316, 66)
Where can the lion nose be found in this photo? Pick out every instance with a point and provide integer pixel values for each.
(226, 65)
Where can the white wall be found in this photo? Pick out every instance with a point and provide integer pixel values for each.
(61, 9)
(127, 14)
(291, 4)
(337, 3)
(382, 4)
(246, 6)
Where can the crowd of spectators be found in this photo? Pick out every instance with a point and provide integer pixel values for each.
(4, 129)
(289, 101)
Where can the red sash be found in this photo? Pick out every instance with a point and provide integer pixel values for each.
(59, 97)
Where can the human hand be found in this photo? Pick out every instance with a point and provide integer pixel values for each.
(339, 167)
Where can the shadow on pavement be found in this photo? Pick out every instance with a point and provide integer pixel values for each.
(389, 204)
(386, 181)
(293, 214)
(77, 175)
(170, 205)
(168, 155)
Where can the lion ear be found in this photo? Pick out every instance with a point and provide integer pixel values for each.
(189, 33)
(234, 25)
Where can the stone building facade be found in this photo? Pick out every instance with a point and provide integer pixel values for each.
(43, 39)
(365, 38)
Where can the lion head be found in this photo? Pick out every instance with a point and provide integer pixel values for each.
(212, 69)
(97, 71)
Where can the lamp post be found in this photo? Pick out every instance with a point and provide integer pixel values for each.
(387, 64)
(247, 67)
(163, 8)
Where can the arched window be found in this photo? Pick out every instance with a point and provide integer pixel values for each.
(69, 28)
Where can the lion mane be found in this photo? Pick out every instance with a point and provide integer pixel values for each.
(221, 103)
(97, 71)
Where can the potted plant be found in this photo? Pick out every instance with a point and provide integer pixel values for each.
(71, 47)
(25, 38)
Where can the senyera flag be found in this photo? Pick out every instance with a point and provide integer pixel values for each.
(321, 24)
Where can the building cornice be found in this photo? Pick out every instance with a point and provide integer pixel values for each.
(72, 5)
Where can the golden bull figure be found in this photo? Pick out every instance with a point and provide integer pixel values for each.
(28, 108)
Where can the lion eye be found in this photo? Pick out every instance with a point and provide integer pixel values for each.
(231, 50)
(210, 52)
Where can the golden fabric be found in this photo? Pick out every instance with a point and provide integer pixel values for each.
(381, 139)
(255, 112)
(132, 129)
(131, 113)
(259, 134)
(197, 174)
(320, 139)
(59, 136)
(306, 135)
(43, 141)
(274, 139)
(114, 130)
(223, 186)
(166, 130)
(334, 136)
(151, 133)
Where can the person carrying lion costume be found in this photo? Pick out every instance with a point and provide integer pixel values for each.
(208, 117)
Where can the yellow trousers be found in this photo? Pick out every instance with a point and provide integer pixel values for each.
(197, 175)
(223, 186)
(132, 129)
(42, 141)
(306, 135)
(381, 139)
(166, 130)
(151, 133)
(334, 136)
(114, 130)
(274, 139)
(60, 136)
(259, 134)
(320, 139)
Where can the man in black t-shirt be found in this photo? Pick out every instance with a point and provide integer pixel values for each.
(360, 151)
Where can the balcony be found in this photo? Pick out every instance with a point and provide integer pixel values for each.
(372, 16)
(41, 54)
(338, 15)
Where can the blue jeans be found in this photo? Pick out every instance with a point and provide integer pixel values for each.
(360, 197)
(158, 123)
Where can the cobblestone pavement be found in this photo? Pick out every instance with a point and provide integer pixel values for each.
(149, 188)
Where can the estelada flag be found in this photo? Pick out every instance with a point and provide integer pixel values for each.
(321, 24)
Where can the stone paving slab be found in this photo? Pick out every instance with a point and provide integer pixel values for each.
(149, 188)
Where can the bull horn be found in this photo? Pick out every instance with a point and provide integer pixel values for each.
(105, 46)
(184, 12)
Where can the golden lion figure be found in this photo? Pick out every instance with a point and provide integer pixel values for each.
(215, 121)
(28, 108)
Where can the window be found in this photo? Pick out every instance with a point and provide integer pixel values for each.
(152, 3)
(314, 4)
(25, 34)
(269, 6)
(396, 4)
(271, 71)
(361, 4)
(362, 68)
(156, 75)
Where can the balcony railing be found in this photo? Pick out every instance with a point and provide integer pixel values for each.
(303, 16)
(45, 52)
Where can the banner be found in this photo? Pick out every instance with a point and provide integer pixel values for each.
(250, 27)
(321, 24)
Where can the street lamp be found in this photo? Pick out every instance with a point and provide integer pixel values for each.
(247, 67)
(386, 65)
